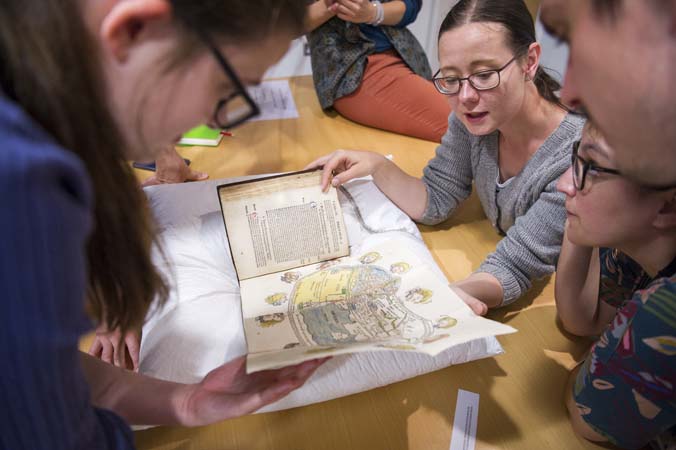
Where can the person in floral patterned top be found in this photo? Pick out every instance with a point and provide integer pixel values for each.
(616, 278)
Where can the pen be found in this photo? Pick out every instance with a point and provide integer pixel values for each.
(226, 133)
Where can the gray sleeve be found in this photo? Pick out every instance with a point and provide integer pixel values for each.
(448, 176)
(532, 245)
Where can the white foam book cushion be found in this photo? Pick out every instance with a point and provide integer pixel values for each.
(200, 327)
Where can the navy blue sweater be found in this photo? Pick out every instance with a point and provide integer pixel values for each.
(45, 219)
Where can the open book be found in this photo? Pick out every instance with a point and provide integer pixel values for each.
(304, 296)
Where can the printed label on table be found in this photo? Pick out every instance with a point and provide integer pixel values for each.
(463, 436)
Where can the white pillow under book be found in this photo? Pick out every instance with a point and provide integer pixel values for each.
(200, 327)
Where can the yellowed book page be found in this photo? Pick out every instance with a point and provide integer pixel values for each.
(383, 299)
(282, 222)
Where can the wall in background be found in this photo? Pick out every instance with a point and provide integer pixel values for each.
(554, 54)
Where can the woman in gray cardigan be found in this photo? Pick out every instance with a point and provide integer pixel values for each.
(508, 134)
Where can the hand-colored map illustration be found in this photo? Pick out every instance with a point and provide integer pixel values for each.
(346, 304)
(381, 299)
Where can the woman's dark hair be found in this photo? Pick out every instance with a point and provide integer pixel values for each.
(514, 16)
(49, 65)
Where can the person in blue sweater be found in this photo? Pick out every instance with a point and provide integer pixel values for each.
(84, 87)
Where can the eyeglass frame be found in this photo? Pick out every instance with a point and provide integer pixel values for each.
(469, 77)
(240, 90)
(586, 165)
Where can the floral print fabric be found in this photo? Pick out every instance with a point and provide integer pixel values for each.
(625, 387)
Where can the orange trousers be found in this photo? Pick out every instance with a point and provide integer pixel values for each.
(392, 97)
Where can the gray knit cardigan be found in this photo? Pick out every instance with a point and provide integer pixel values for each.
(528, 209)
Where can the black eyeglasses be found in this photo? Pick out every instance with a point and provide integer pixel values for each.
(237, 107)
(581, 167)
(481, 81)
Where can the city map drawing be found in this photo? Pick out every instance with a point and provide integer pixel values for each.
(385, 298)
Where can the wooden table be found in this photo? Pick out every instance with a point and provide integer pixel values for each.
(521, 391)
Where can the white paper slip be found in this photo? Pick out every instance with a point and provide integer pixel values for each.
(274, 99)
(463, 436)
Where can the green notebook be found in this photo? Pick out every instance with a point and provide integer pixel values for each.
(202, 135)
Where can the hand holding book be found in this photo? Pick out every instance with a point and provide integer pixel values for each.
(305, 294)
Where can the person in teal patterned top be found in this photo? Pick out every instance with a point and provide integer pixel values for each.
(364, 65)
(616, 278)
